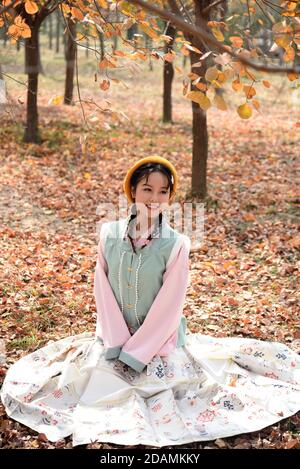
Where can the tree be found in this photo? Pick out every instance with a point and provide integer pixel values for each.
(211, 44)
(205, 37)
(168, 74)
(26, 19)
(70, 55)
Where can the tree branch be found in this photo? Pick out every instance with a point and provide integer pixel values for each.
(4, 9)
(212, 5)
(202, 34)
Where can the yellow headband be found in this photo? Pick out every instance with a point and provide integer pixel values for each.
(149, 159)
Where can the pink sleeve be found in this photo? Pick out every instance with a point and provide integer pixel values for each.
(114, 331)
(163, 319)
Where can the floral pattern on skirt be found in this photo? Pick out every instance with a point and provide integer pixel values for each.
(210, 388)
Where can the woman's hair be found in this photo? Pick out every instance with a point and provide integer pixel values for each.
(140, 173)
(146, 169)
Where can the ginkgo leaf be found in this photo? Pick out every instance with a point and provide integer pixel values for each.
(119, 53)
(249, 91)
(149, 31)
(194, 49)
(103, 3)
(211, 74)
(205, 103)
(169, 56)
(266, 83)
(76, 13)
(201, 86)
(105, 63)
(289, 54)
(200, 98)
(292, 76)
(236, 41)
(104, 85)
(195, 96)
(56, 100)
(31, 7)
(256, 104)
(249, 217)
(244, 111)
(237, 85)
(219, 103)
(218, 34)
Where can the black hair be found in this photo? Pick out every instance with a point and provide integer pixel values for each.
(144, 171)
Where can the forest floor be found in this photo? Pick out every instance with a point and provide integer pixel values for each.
(244, 273)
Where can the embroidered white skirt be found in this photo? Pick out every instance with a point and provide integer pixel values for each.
(209, 389)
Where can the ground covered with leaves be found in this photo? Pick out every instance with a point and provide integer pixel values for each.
(244, 274)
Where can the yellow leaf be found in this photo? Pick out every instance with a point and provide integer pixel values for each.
(31, 7)
(201, 86)
(283, 40)
(200, 98)
(119, 53)
(291, 6)
(178, 69)
(65, 8)
(289, 54)
(237, 85)
(193, 76)
(77, 13)
(195, 96)
(205, 103)
(103, 3)
(236, 41)
(249, 91)
(149, 31)
(104, 85)
(219, 103)
(169, 56)
(266, 83)
(194, 49)
(56, 100)
(221, 77)
(87, 175)
(244, 111)
(80, 37)
(218, 34)
(292, 76)
(229, 73)
(249, 217)
(105, 63)
(211, 74)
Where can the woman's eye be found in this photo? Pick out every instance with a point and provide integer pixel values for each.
(163, 192)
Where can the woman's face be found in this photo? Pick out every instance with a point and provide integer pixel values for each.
(153, 196)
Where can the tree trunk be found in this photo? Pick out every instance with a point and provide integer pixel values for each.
(168, 77)
(32, 67)
(221, 16)
(102, 45)
(70, 61)
(50, 32)
(200, 133)
(57, 32)
(131, 31)
(2, 89)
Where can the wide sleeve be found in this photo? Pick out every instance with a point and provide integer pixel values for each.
(163, 318)
(113, 328)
